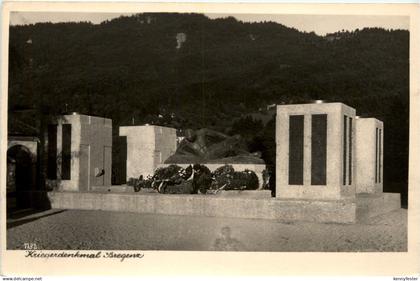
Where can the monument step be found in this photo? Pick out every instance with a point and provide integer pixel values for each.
(374, 204)
(288, 210)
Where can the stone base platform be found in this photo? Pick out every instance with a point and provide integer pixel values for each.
(113, 188)
(345, 211)
(370, 205)
(245, 194)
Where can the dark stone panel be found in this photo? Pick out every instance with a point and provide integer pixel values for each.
(296, 124)
(350, 150)
(345, 151)
(376, 154)
(52, 152)
(119, 160)
(380, 156)
(319, 150)
(66, 154)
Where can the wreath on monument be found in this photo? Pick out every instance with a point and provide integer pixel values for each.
(223, 178)
(227, 178)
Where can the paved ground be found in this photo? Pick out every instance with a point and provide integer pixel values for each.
(76, 229)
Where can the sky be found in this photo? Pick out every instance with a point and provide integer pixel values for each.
(319, 24)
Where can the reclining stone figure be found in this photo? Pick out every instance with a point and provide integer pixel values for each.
(209, 146)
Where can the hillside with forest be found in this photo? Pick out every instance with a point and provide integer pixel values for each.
(189, 71)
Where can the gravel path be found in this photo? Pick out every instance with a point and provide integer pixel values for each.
(98, 230)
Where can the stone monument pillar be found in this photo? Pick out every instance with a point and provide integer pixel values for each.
(147, 147)
(369, 155)
(79, 152)
(314, 151)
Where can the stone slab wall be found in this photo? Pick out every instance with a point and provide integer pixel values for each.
(331, 211)
(147, 147)
(91, 153)
(369, 156)
(96, 133)
(370, 205)
(165, 144)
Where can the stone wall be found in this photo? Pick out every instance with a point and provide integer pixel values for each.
(96, 133)
(91, 153)
(147, 147)
(369, 155)
(343, 211)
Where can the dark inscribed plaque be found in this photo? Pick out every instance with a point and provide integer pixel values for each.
(296, 149)
(52, 152)
(380, 156)
(376, 155)
(345, 151)
(319, 150)
(119, 160)
(350, 148)
(66, 154)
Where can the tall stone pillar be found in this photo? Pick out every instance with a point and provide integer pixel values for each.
(147, 147)
(369, 155)
(314, 151)
(79, 152)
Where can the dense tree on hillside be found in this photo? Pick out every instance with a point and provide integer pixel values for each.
(247, 127)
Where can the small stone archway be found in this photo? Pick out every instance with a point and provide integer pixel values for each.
(21, 174)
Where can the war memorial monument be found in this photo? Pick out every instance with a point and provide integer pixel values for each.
(329, 166)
